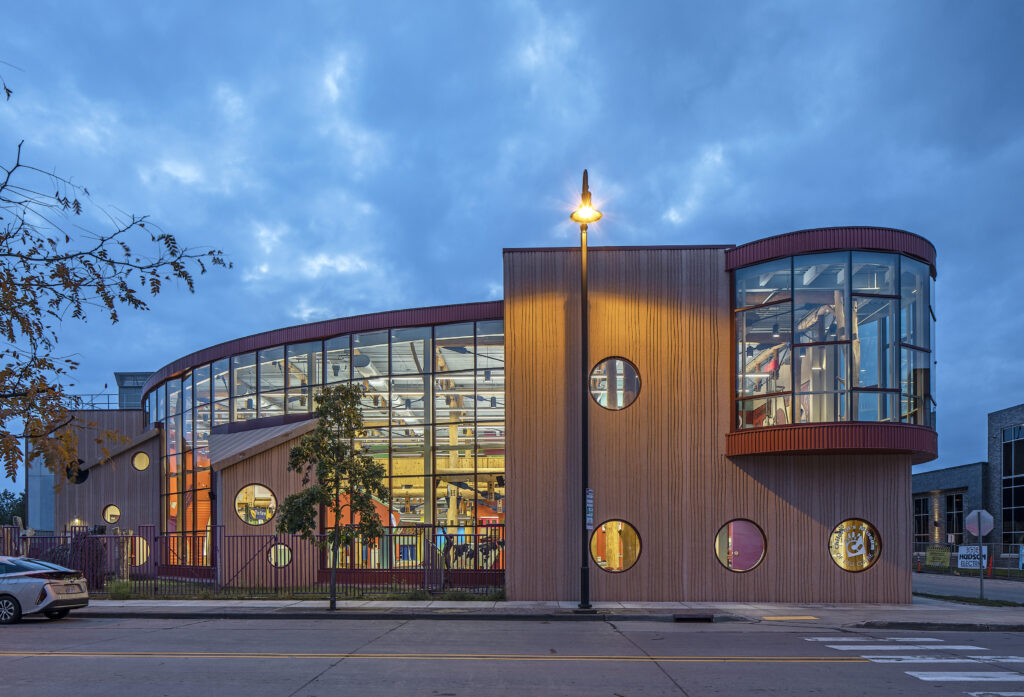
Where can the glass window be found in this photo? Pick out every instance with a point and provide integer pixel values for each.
(855, 545)
(764, 354)
(173, 397)
(820, 283)
(255, 504)
(280, 555)
(410, 400)
(614, 383)
(453, 347)
(410, 351)
(740, 545)
(454, 397)
(369, 355)
(765, 283)
(490, 502)
(818, 407)
(410, 451)
(874, 406)
(615, 546)
(186, 393)
(337, 356)
(201, 376)
(490, 344)
(454, 448)
(490, 448)
(161, 402)
(922, 520)
(271, 369)
(915, 381)
(304, 365)
(914, 307)
(456, 499)
(138, 550)
(490, 395)
(243, 370)
(140, 461)
(111, 514)
(874, 273)
(764, 411)
(221, 380)
(874, 343)
(821, 368)
(375, 442)
(410, 499)
(271, 404)
(955, 518)
(374, 402)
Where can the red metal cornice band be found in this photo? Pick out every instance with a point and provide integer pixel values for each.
(441, 314)
(831, 239)
(855, 437)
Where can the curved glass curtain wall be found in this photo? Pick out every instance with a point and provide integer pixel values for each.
(836, 336)
(434, 412)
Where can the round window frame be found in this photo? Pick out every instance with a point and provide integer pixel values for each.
(103, 513)
(135, 456)
(639, 551)
(234, 505)
(764, 547)
(270, 553)
(639, 379)
(139, 543)
(878, 537)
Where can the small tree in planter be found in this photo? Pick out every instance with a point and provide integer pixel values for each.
(335, 475)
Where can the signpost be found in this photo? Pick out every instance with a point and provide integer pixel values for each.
(979, 523)
(590, 510)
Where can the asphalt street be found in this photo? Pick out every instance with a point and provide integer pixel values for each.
(91, 656)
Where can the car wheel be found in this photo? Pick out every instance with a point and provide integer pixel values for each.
(56, 614)
(10, 611)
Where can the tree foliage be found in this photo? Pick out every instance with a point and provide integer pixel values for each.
(11, 505)
(64, 257)
(335, 476)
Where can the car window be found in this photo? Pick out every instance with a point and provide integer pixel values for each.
(6, 568)
(28, 565)
(46, 564)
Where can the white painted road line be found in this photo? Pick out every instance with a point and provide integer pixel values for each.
(969, 676)
(904, 647)
(995, 694)
(834, 638)
(912, 640)
(920, 659)
(1000, 659)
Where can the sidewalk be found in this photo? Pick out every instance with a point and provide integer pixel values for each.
(922, 614)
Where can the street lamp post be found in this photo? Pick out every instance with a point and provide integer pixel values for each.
(584, 214)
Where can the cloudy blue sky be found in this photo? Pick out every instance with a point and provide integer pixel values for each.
(354, 157)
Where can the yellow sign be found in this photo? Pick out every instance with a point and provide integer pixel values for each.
(855, 545)
(937, 556)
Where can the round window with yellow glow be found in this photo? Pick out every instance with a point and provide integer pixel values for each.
(140, 461)
(615, 546)
(255, 504)
(111, 514)
(855, 545)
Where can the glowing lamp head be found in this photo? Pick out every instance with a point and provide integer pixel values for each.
(585, 213)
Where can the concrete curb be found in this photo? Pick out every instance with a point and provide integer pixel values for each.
(405, 615)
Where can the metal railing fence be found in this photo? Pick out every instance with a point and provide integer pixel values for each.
(144, 563)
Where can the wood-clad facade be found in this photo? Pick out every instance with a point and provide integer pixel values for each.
(111, 478)
(661, 463)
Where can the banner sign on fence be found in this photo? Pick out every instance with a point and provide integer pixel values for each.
(938, 555)
(967, 556)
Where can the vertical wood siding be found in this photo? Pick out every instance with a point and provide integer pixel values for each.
(661, 464)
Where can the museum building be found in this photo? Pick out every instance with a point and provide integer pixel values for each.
(754, 412)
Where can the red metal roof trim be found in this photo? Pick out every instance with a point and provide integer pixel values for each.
(828, 239)
(920, 442)
(440, 314)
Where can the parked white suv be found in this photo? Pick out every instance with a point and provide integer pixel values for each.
(30, 586)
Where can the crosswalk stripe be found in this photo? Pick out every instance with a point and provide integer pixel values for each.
(1000, 659)
(920, 659)
(833, 638)
(995, 694)
(904, 647)
(968, 676)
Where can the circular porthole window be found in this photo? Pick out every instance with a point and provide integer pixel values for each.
(855, 545)
(740, 545)
(138, 551)
(140, 461)
(111, 514)
(255, 504)
(280, 556)
(615, 546)
(614, 383)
